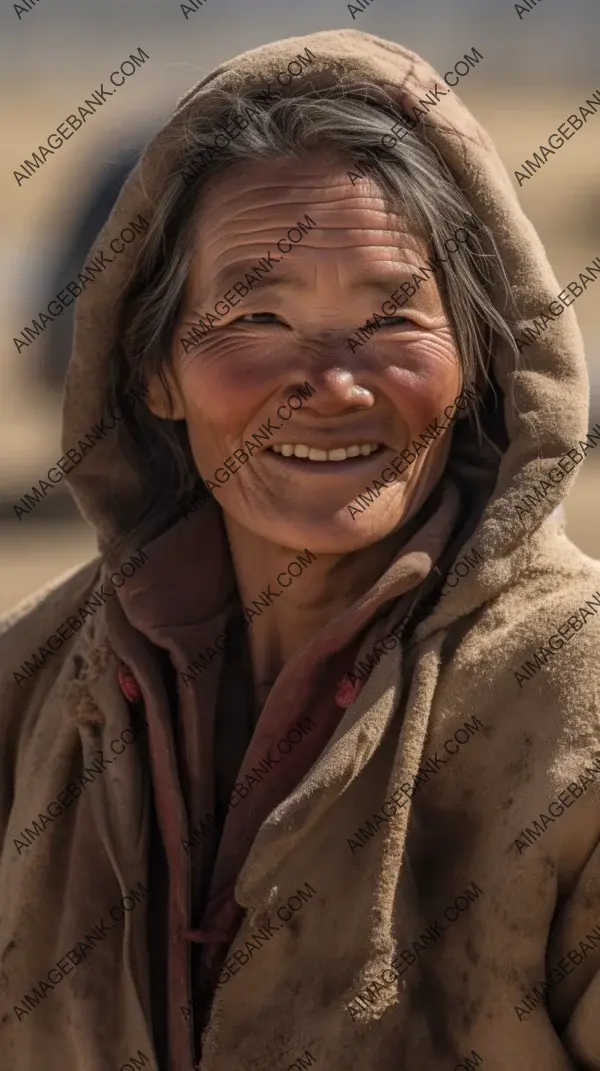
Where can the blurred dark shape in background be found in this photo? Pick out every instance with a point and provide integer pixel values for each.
(52, 358)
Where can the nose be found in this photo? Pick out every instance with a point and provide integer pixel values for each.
(337, 390)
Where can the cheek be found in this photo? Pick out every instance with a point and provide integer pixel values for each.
(223, 381)
(423, 375)
(237, 372)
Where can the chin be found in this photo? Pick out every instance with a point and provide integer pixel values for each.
(339, 534)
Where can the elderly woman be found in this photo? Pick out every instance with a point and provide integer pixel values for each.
(303, 770)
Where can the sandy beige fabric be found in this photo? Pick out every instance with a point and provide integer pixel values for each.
(422, 941)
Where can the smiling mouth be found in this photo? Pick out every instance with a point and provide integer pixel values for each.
(351, 461)
(299, 451)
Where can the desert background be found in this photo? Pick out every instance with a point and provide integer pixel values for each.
(535, 72)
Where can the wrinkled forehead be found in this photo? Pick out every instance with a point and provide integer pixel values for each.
(246, 210)
(321, 180)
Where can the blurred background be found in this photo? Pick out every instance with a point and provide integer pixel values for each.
(537, 69)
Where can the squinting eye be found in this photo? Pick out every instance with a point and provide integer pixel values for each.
(394, 321)
(249, 316)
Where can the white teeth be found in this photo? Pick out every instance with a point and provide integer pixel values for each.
(340, 453)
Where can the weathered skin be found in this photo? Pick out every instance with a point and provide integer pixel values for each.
(387, 391)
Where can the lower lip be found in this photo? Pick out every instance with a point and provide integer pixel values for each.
(330, 468)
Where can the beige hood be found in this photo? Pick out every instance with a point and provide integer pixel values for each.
(541, 410)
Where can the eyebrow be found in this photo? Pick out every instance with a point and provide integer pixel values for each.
(389, 283)
(236, 273)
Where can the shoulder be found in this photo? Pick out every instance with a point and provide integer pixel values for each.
(556, 593)
(40, 623)
(533, 648)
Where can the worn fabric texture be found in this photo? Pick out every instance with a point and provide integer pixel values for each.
(421, 898)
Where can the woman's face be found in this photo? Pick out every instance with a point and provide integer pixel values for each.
(293, 326)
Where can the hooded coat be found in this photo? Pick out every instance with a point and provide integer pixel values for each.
(417, 887)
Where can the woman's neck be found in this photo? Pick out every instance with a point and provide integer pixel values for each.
(289, 611)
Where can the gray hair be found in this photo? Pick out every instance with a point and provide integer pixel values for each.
(352, 121)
